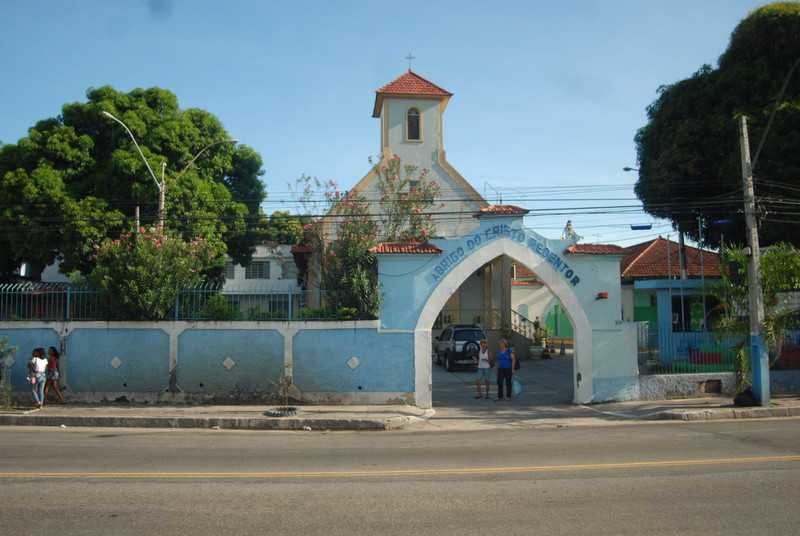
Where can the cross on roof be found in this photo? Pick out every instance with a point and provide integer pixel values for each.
(410, 57)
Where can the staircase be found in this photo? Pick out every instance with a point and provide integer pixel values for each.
(522, 333)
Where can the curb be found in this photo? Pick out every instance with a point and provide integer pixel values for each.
(727, 413)
(213, 423)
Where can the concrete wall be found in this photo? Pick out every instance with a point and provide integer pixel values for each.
(627, 303)
(783, 382)
(666, 386)
(335, 362)
(531, 301)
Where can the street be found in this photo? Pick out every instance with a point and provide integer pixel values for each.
(700, 478)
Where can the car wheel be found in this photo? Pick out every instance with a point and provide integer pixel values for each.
(447, 364)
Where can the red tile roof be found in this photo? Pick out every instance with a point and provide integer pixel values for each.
(412, 248)
(523, 272)
(501, 210)
(651, 260)
(595, 249)
(409, 84)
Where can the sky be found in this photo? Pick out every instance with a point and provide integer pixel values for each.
(548, 95)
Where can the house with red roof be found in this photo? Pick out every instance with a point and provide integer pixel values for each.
(669, 290)
(659, 266)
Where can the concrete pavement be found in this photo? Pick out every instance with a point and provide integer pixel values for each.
(703, 478)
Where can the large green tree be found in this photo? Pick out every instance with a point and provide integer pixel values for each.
(75, 179)
(688, 153)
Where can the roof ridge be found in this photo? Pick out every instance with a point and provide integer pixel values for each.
(645, 250)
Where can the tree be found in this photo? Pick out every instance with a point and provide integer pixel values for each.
(75, 180)
(281, 227)
(349, 268)
(780, 274)
(688, 153)
(141, 273)
(354, 224)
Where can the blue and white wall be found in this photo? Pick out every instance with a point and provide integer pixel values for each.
(338, 362)
(382, 361)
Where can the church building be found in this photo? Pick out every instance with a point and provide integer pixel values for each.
(411, 111)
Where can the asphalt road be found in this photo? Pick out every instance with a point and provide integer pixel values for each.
(678, 478)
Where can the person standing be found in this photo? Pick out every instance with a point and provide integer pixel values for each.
(53, 374)
(37, 367)
(505, 369)
(484, 370)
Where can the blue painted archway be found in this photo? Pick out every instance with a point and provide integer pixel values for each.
(416, 287)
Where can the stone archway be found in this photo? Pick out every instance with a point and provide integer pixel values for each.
(555, 282)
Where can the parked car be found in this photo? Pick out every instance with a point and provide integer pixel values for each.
(459, 345)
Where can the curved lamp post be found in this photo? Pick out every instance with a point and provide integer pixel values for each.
(162, 184)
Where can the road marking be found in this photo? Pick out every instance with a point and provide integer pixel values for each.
(409, 472)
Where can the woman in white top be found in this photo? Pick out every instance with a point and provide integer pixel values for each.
(36, 369)
(484, 370)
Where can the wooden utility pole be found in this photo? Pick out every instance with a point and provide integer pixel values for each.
(758, 351)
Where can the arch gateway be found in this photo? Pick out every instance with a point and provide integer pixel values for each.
(416, 283)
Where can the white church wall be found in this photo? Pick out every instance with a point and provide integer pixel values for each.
(457, 208)
(531, 301)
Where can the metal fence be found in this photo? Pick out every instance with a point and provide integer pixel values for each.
(62, 302)
(684, 352)
(703, 351)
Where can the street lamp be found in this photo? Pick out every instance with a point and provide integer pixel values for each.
(162, 184)
(627, 168)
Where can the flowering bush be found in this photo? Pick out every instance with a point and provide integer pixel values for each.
(406, 196)
(142, 273)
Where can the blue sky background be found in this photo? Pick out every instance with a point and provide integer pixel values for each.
(548, 95)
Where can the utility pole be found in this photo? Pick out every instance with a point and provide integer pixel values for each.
(162, 197)
(162, 185)
(758, 352)
(683, 276)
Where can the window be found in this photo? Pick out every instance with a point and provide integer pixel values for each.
(469, 335)
(257, 270)
(229, 271)
(413, 125)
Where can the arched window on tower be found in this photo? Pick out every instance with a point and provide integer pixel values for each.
(413, 131)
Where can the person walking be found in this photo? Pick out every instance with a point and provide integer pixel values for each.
(484, 370)
(53, 374)
(36, 369)
(505, 369)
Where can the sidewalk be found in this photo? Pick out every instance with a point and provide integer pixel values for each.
(518, 414)
(217, 417)
(513, 414)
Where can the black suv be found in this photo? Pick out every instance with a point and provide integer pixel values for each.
(459, 345)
